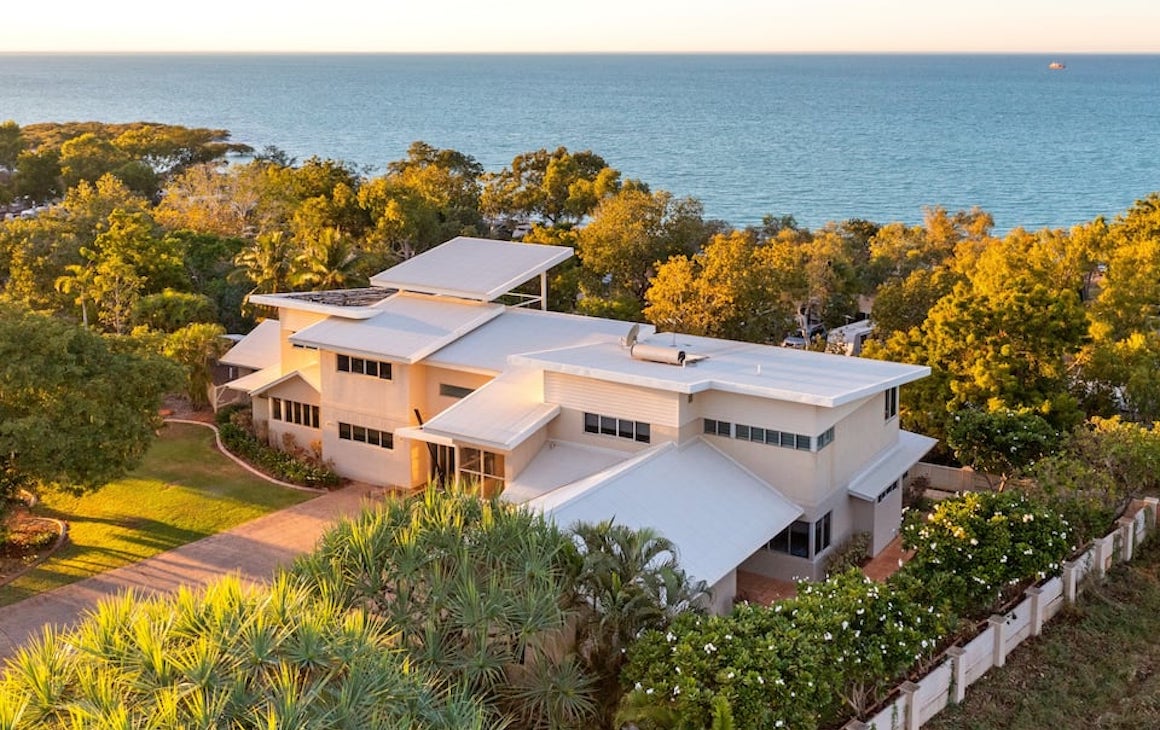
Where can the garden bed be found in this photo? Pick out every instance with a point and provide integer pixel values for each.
(29, 539)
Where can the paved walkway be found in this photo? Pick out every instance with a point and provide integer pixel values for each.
(253, 550)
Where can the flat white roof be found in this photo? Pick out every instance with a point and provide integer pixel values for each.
(404, 328)
(527, 330)
(556, 464)
(501, 415)
(715, 512)
(260, 349)
(799, 376)
(890, 465)
(472, 268)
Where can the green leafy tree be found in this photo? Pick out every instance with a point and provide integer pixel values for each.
(632, 232)
(88, 158)
(38, 175)
(11, 144)
(197, 347)
(1102, 466)
(73, 412)
(231, 656)
(1001, 442)
(559, 187)
(729, 289)
(169, 310)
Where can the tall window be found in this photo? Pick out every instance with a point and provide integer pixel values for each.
(360, 366)
(891, 409)
(483, 467)
(302, 414)
(622, 427)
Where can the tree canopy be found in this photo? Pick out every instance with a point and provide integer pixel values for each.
(74, 412)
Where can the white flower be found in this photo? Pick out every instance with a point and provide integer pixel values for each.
(649, 691)
(709, 648)
(670, 637)
(828, 636)
(729, 676)
(974, 541)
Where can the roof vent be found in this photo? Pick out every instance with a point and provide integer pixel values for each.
(658, 353)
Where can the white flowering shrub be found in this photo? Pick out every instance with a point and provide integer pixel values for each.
(806, 662)
(972, 548)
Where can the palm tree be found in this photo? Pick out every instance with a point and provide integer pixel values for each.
(628, 582)
(328, 261)
(268, 263)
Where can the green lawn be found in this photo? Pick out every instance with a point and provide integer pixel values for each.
(1095, 666)
(185, 490)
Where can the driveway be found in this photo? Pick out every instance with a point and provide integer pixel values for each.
(252, 550)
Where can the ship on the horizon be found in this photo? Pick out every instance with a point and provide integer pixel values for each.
(1056, 66)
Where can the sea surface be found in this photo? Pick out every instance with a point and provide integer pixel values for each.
(821, 137)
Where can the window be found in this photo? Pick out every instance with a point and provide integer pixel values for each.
(298, 346)
(759, 435)
(622, 427)
(826, 438)
(302, 414)
(718, 428)
(795, 539)
(359, 366)
(822, 533)
(484, 467)
(890, 488)
(374, 437)
(891, 409)
(454, 391)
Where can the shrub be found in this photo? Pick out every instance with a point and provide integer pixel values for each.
(804, 662)
(853, 553)
(971, 548)
(284, 466)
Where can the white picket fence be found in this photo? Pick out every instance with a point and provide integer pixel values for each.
(915, 703)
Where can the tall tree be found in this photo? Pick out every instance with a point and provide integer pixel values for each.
(632, 232)
(73, 412)
(557, 187)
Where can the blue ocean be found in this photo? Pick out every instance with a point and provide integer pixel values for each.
(820, 137)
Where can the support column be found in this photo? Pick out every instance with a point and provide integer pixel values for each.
(544, 291)
(1127, 538)
(1069, 580)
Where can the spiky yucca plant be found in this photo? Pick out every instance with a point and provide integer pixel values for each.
(232, 656)
(478, 589)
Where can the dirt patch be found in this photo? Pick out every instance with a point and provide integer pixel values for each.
(28, 539)
(180, 407)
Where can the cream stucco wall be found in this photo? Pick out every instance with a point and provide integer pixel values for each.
(292, 321)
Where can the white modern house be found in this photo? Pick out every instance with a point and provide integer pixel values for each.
(746, 456)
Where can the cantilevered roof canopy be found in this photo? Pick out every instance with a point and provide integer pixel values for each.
(262, 381)
(404, 328)
(258, 350)
(472, 268)
(501, 415)
(873, 480)
(716, 512)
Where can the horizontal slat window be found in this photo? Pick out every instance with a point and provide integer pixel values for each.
(621, 427)
(364, 435)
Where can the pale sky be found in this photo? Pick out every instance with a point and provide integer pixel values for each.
(732, 26)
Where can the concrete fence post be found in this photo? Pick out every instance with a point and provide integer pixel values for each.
(1101, 556)
(1127, 538)
(910, 692)
(958, 657)
(1151, 507)
(999, 653)
(1070, 569)
(1035, 593)
(856, 725)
